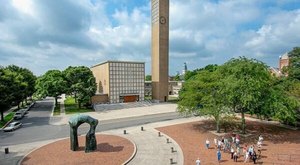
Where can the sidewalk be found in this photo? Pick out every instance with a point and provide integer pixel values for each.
(120, 113)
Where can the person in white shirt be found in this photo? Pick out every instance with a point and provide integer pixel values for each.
(215, 140)
(198, 162)
(246, 156)
(207, 144)
(260, 138)
(219, 144)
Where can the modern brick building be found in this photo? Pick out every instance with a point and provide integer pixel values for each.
(122, 81)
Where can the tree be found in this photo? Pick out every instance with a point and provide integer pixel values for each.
(5, 97)
(246, 85)
(148, 78)
(210, 67)
(203, 94)
(294, 64)
(19, 91)
(81, 83)
(52, 83)
(27, 78)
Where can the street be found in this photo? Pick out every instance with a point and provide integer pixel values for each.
(36, 125)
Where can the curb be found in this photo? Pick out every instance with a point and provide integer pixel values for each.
(133, 154)
(7, 123)
(20, 161)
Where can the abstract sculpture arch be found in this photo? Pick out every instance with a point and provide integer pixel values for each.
(90, 141)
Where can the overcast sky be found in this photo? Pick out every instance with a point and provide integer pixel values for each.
(54, 34)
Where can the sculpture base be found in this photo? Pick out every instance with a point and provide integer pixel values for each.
(110, 149)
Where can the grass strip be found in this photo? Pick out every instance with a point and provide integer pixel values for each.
(71, 107)
(56, 110)
(7, 118)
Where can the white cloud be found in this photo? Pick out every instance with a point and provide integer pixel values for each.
(278, 35)
(86, 33)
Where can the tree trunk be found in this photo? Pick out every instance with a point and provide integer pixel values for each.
(79, 104)
(26, 101)
(22, 103)
(55, 100)
(75, 97)
(218, 125)
(243, 122)
(19, 106)
(2, 115)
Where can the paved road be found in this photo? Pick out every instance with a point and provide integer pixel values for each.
(36, 125)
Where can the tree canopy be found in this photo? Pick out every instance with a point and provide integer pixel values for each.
(240, 85)
(16, 84)
(294, 64)
(80, 82)
(52, 83)
(204, 94)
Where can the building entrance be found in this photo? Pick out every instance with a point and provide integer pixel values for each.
(129, 98)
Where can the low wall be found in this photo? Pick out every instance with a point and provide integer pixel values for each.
(99, 98)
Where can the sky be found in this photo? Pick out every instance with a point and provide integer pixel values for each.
(53, 34)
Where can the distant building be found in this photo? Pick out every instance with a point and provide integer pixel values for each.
(120, 81)
(275, 72)
(283, 61)
(184, 68)
(173, 87)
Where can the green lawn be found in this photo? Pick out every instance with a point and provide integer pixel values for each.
(56, 110)
(71, 107)
(7, 118)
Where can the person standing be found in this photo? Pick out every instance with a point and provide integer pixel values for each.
(198, 162)
(246, 156)
(254, 157)
(219, 144)
(235, 157)
(219, 155)
(231, 152)
(237, 142)
(216, 142)
(207, 144)
(238, 151)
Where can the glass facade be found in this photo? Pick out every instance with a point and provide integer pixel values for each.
(126, 79)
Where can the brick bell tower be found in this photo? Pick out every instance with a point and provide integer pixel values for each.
(160, 49)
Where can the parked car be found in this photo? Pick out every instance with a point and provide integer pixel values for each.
(20, 113)
(12, 126)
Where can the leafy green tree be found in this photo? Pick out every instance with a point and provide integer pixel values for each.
(52, 83)
(20, 89)
(204, 95)
(148, 78)
(210, 67)
(246, 84)
(5, 97)
(81, 83)
(294, 64)
(27, 78)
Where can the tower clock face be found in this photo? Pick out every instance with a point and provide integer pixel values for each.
(162, 20)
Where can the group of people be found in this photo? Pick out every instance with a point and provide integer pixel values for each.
(232, 145)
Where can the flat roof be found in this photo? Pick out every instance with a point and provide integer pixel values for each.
(109, 61)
